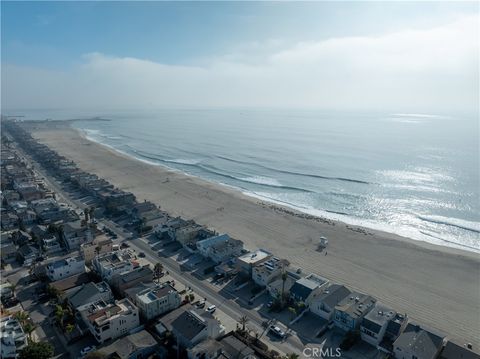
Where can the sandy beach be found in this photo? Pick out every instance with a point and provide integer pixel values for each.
(435, 285)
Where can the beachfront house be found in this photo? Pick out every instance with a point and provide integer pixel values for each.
(64, 268)
(220, 248)
(307, 288)
(374, 324)
(269, 270)
(456, 351)
(275, 287)
(246, 262)
(350, 311)
(324, 303)
(418, 342)
(155, 301)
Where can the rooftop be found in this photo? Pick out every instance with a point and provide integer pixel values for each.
(254, 257)
(356, 304)
(422, 342)
(378, 317)
(153, 294)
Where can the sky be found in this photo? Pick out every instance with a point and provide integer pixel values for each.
(393, 56)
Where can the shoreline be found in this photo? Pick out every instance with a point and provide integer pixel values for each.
(436, 285)
(355, 224)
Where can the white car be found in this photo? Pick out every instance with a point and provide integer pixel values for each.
(277, 331)
(211, 308)
(87, 350)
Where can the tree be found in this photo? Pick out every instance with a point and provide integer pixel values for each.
(243, 321)
(42, 350)
(59, 313)
(157, 271)
(292, 356)
(69, 328)
(191, 297)
(98, 249)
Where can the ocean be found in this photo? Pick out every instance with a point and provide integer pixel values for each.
(415, 175)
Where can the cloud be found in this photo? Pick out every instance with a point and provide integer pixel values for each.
(412, 70)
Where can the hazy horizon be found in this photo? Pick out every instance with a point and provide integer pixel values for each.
(401, 57)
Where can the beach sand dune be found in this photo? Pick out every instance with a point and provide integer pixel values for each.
(435, 285)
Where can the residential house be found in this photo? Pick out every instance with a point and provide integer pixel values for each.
(74, 234)
(418, 342)
(140, 345)
(155, 301)
(8, 250)
(350, 311)
(124, 280)
(21, 238)
(375, 323)
(269, 270)
(109, 321)
(13, 338)
(27, 255)
(117, 262)
(99, 245)
(324, 303)
(51, 245)
(456, 351)
(394, 328)
(228, 347)
(64, 268)
(246, 262)
(275, 287)
(85, 294)
(220, 248)
(307, 288)
(27, 217)
(189, 326)
(131, 293)
(9, 221)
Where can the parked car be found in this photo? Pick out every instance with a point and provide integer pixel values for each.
(269, 304)
(211, 308)
(141, 254)
(87, 350)
(200, 304)
(277, 331)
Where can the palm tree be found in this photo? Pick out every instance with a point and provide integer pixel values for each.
(13, 286)
(284, 279)
(292, 356)
(157, 271)
(22, 317)
(92, 213)
(86, 212)
(28, 328)
(243, 321)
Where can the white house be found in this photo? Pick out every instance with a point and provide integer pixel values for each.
(155, 301)
(266, 272)
(110, 321)
(246, 262)
(65, 268)
(117, 262)
(13, 338)
(350, 311)
(220, 248)
(306, 289)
